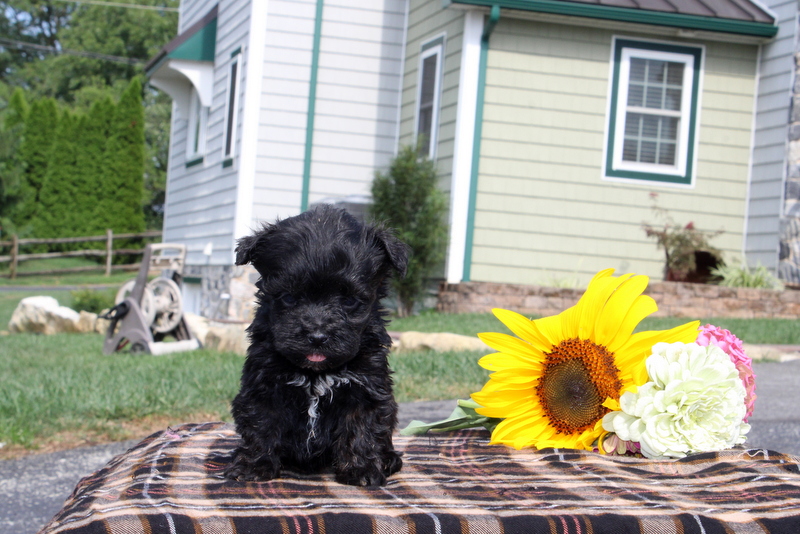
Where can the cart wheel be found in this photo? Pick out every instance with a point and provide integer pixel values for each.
(168, 305)
(147, 308)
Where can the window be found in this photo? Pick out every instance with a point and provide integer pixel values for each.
(232, 104)
(652, 122)
(430, 68)
(198, 120)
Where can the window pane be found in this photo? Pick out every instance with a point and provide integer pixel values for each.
(428, 80)
(656, 71)
(630, 150)
(231, 109)
(647, 153)
(666, 154)
(636, 95)
(650, 139)
(638, 68)
(655, 84)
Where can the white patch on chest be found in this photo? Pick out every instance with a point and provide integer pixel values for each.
(317, 388)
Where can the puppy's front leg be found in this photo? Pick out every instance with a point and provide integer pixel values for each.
(257, 458)
(364, 455)
(247, 465)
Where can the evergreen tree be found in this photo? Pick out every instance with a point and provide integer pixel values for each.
(94, 132)
(407, 199)
(37, 140)
(12, 122)
(58, 212)
(123, 188)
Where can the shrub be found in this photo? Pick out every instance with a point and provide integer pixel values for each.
(406, 199)
(683, 246)
(91, 300)
(743, 276)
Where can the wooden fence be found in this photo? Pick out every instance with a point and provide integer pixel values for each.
(15, 257)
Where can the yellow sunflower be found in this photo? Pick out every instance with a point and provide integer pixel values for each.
(554, 384)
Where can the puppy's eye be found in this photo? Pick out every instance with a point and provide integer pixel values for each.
(350, 303)
(288, 300)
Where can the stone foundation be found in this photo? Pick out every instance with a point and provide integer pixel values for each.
(227, 292)
(674, 299)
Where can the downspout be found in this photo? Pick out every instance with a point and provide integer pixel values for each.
(494, 17)
(312, 106)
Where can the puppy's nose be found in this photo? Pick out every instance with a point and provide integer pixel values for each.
(317, 338)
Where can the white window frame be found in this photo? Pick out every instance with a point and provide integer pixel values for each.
(232, 105)
(682, 172)
(198, 125)
(430, 48)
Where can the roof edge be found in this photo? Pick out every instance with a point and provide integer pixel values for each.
(640, 16)
(180, 39)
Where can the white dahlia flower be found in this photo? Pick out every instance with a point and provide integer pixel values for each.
(694, 402)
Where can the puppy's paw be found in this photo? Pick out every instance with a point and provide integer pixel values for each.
(244, 469)
(392, 463)
(366, 476)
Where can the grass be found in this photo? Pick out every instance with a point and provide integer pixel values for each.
(80, 278)
(52, 386)
(60, 391)
(753, 331)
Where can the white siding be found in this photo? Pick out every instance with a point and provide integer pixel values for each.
(776, 76)
(201, 200)
(357, 96)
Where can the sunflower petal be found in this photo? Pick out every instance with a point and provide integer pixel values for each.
(641, 308)
(511, 345)
(501, 360)
(523, 328)
(619, 304)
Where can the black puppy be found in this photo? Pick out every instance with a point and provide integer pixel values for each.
(316, 390)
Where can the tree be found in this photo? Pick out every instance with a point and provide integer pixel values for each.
(13, 113)
(94, 132)
(58, 208)
(37, 139)
(121, 203)
(407, 199)
(80, 54)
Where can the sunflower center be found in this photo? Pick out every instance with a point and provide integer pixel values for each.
(577, 378)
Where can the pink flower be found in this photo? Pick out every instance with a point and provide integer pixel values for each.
(732, 345)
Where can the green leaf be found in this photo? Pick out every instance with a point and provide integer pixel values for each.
(463, 416)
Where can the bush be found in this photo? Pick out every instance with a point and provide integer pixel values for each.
(688, 257)
(406, 199)
(743, 276)
(91, 300)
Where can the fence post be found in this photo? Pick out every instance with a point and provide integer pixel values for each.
(109, 249)
(14, 253)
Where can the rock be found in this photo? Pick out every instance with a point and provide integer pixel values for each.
(87, 322)
(198, 325)
(440, 342)
(43, 315)
(227, 337)
(770, 353)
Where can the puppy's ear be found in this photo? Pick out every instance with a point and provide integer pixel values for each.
(247, 247)
(396, 251)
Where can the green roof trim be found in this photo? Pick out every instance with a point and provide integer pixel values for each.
(199, 47)
(640, 16)
(197, 43)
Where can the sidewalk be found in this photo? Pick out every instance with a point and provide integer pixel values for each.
(35, 487)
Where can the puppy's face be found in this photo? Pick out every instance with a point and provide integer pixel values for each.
(322, 275)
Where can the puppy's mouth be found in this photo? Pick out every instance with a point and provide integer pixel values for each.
(316, 357)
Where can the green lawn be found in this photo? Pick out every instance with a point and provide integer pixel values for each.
(52, 385)
(96, 276)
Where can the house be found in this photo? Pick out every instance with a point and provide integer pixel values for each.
(552, 123)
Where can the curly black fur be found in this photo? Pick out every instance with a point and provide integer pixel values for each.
(316, 390)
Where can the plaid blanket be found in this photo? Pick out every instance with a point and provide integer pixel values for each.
(451, 483)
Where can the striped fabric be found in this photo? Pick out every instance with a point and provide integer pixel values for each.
(450, 483)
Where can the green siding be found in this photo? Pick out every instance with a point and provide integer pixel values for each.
(543, 211)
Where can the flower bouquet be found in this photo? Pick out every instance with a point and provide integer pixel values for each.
(583, 379)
